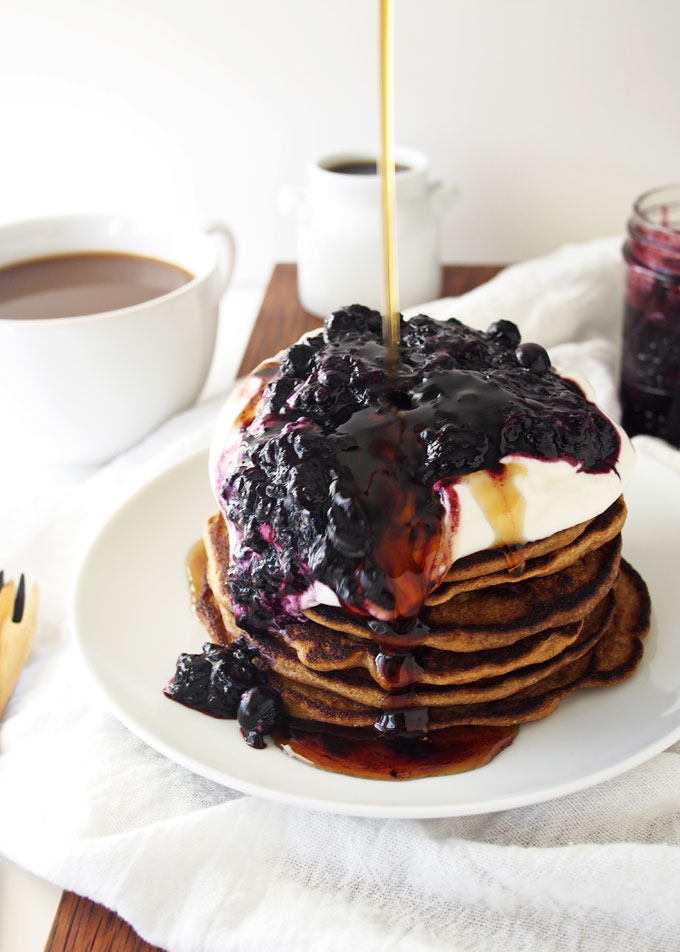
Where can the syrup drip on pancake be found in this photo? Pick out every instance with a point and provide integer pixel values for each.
(503, 506)
(398, 636)
(514, 560)
(397, 670)
(402, 714)
(405, 517)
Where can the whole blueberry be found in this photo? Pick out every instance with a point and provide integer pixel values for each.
(351, 320)
(191, 682)
(259, 709)
(254, 739)
(533, 357)
(297, 360)
(505, 333)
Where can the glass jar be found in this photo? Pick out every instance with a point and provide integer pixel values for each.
(650, 367)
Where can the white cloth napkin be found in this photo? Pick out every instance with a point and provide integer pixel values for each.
(195, 866)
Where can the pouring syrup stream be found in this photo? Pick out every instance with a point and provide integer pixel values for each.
(387, 176)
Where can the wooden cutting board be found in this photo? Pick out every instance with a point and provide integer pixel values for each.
(84, 926)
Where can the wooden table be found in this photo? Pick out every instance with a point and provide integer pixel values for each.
(84, 926)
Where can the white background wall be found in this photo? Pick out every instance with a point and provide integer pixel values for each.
(550, 115)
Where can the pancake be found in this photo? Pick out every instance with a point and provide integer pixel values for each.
(357, 683)
(320, 649)
(489, 561)
(323, 649)
(326, 666)
(503, 615)
(615, 657)
(596, 533)
(345, 664)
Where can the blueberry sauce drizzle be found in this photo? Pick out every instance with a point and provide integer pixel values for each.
(343, 471)
(223, 681)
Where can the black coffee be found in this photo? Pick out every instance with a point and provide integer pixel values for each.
(84, 283)
(361, 167)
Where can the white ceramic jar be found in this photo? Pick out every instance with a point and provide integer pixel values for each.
(339, 231)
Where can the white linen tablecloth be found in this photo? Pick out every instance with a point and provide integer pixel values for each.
(195, 866)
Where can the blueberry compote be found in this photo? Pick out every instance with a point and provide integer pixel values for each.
(223, 681)
(339, 472)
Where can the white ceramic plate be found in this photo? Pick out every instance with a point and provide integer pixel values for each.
(131, 617)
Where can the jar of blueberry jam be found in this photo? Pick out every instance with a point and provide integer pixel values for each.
(650, 370)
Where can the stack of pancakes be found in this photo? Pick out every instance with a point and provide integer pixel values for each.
(502, 639)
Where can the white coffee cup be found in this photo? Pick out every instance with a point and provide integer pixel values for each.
(339, 231)
(79, 390)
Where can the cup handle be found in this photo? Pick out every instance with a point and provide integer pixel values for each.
(441, 194)
(226, 251)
